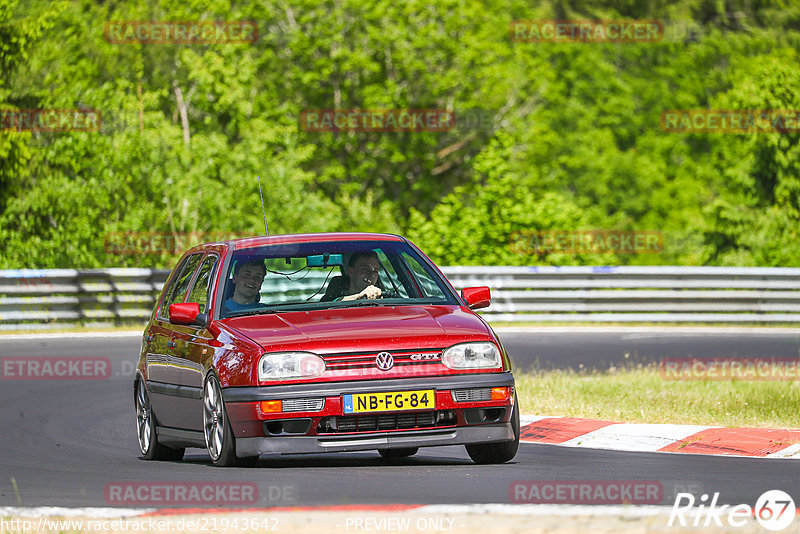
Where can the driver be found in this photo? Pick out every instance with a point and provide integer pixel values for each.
(247, 279)
(361, 281)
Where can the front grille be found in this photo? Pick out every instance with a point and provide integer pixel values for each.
(376, 422)
(303, 405)
(363, 360)
(472, 394)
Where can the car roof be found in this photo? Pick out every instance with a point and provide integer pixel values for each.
(253, 242)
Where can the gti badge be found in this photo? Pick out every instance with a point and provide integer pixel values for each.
(384, 361)
(424, 357)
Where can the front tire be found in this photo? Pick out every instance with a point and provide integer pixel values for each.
(498, 453)
(220, 442)
(146, 427)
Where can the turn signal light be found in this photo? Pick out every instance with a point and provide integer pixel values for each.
(273, 406)
(500, 393)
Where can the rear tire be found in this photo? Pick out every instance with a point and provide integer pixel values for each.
(220, 442)
(398, 453)
(498, 453)
(146, 426)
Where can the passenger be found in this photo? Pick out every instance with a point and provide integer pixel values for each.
(361, 282)
(247, 279)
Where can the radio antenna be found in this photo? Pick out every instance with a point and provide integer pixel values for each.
(266, 229)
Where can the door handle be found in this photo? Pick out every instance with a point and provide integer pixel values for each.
(171, 344)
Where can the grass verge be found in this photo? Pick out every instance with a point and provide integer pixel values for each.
(77, 329)
(640, 395)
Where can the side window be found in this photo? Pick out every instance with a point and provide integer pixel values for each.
(199, 292)
(178, 289)
(428, 285)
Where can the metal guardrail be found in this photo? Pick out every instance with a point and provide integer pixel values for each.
(637, 294)
(42, 299)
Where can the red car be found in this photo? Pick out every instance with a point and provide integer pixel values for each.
(317, 343)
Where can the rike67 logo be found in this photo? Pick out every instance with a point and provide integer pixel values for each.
(774, 510)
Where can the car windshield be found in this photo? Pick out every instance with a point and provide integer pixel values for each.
(313, 276)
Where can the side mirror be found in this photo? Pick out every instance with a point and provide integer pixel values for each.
(477, 297)
(187, 313)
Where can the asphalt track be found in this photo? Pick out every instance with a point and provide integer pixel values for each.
(62, 442)
(570, 348)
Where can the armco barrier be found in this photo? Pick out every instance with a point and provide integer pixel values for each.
(58, 298)
(637, 294)
(43, 299)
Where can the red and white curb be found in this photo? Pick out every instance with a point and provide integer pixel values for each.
(683, 439)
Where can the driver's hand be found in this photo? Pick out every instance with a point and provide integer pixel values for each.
(370, 292)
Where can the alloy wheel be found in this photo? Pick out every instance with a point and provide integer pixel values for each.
(144, 417)
(213, 418)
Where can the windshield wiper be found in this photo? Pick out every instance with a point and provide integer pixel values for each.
(364, 302)
(259, 311)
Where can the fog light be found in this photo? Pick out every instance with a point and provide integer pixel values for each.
(445, 417)
(273, 406)
(500, 393)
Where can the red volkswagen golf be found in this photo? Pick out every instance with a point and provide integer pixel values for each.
(318, 343)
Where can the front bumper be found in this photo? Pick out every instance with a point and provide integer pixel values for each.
(249, 423)
(374, 440)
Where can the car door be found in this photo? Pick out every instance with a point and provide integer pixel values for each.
(163, 364)
(191, 346)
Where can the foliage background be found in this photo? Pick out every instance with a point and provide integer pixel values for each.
(573, 139)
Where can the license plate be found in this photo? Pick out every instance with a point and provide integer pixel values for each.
(424, 399)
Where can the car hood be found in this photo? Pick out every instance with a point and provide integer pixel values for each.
(363, 328)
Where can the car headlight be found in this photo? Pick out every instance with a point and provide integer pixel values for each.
(477, 355)
(283, 365)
